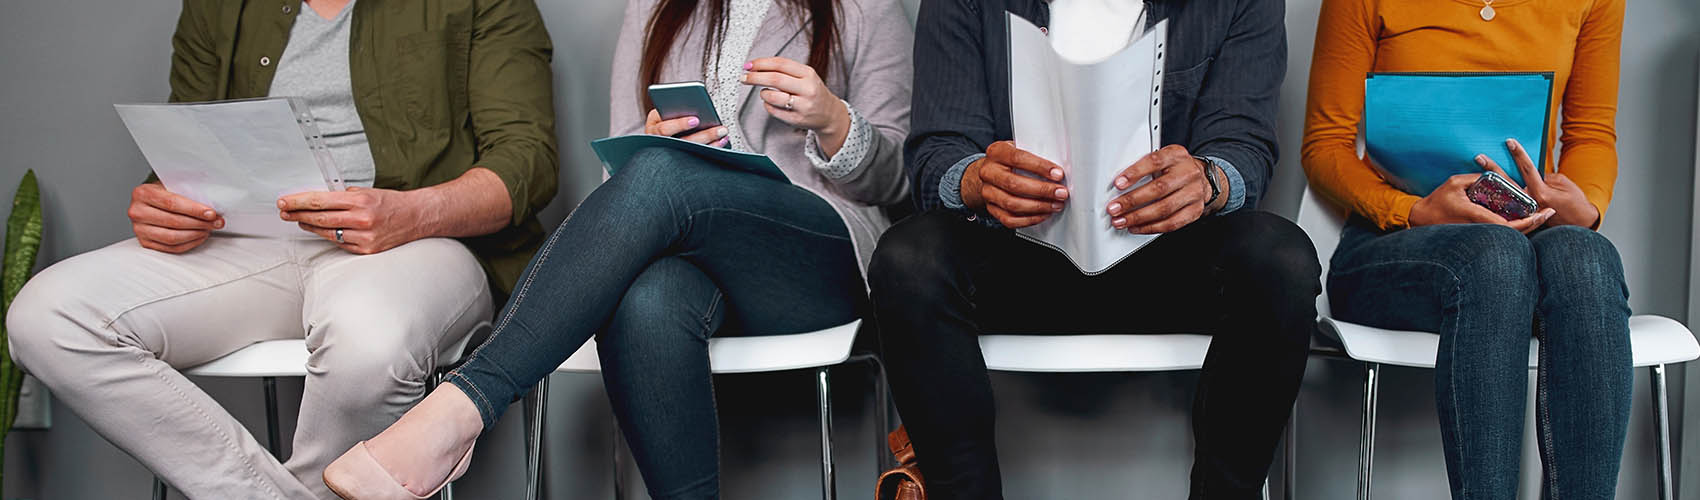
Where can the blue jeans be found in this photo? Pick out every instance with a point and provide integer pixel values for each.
(658, 259)
(1484, 289)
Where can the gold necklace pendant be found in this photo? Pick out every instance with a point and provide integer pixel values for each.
(1487, 12)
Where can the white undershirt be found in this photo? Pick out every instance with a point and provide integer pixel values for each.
(1088, 31)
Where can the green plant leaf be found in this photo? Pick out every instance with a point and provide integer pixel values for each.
(23, 241)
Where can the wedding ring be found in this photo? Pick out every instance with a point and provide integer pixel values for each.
(339, 236)
(789, 102)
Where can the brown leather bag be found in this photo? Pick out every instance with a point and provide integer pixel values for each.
(903, 482)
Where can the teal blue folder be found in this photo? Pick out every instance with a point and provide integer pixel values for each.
(615, 152)
(1421, 128)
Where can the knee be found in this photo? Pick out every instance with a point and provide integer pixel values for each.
(1577, 259)
(670, 304)
(1277, 255)
(1492, 257)
(46, 322)
(912, 257)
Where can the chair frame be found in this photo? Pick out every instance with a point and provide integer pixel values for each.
(536, 403)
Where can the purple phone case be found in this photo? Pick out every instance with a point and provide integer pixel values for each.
(1500, 196)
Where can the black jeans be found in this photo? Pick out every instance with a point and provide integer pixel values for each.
(1248, 278)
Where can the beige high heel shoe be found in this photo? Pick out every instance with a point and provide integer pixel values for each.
(358, 476)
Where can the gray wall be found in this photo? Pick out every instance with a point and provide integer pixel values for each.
(1062, 436)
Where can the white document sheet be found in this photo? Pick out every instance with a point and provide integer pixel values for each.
(1093, 119)
(237, 157)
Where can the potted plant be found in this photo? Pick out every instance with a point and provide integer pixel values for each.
(23, 239)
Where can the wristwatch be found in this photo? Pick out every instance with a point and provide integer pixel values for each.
(1215, 189)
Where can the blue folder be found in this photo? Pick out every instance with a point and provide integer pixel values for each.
(615, 152)
(1421, 128)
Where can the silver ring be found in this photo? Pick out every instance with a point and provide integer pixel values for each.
(789, 102)
(339, 236)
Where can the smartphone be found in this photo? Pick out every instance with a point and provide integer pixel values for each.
(679, 100)
(1502, 197)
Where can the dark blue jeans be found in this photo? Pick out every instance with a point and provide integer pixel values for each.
(1485, 289)
(658, 259)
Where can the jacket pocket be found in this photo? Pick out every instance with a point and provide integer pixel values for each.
(1180, 96)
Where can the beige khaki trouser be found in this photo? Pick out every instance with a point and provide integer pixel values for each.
(108, 331)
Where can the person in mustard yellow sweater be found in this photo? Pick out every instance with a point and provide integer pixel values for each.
(1440, 263)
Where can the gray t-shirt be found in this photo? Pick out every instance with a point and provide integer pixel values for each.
(314, 67)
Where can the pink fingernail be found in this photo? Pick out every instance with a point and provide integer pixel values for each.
(209, 214)
(1056, 207)
(1056, 173)
(1062, 194)
(693, 121)
(1121, 183)
(1118, 222)
(749, 66)
(1115, 208)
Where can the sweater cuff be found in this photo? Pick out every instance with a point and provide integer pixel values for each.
(855, 149)
(1236, 184)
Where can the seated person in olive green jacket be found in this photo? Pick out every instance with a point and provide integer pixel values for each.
(441, 111)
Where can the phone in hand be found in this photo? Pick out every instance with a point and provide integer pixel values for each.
(1499, 195)
(679, 100)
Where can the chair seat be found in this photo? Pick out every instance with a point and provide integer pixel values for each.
(1654, 340)
(766, 353)
(285, 358)
(1094, 353)
(271, 358)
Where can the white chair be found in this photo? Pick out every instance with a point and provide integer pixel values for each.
(819, 350)
(1655, 341)
(1099, 353)
(272, 359)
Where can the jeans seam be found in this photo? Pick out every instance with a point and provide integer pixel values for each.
(1545, 416)
(708, 313)
(508, 312)
(773, 220)
(483, 402)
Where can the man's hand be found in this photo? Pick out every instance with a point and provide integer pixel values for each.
(1019, 188)
(1174, 197)
(371, 220)
(1448, 204)
(169, 222)
(1562, 195)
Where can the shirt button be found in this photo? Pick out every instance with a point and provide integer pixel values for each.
(286, 9)
(265, 61)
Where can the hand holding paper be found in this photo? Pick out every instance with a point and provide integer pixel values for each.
(1015, 199)
(168, 222)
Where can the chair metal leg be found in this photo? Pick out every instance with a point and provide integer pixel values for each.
(614, 457)
(536, 404)
(159, 489)
(883, 460)
(1366, 436)
(274, 435)
(823, 396)
(1290, 469)
(1661, 424)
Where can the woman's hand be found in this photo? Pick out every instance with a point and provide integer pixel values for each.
(654, 125)
(1556, 192)
(792, 92)
(1449, 205)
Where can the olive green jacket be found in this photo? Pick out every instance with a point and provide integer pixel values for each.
(441, 86)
